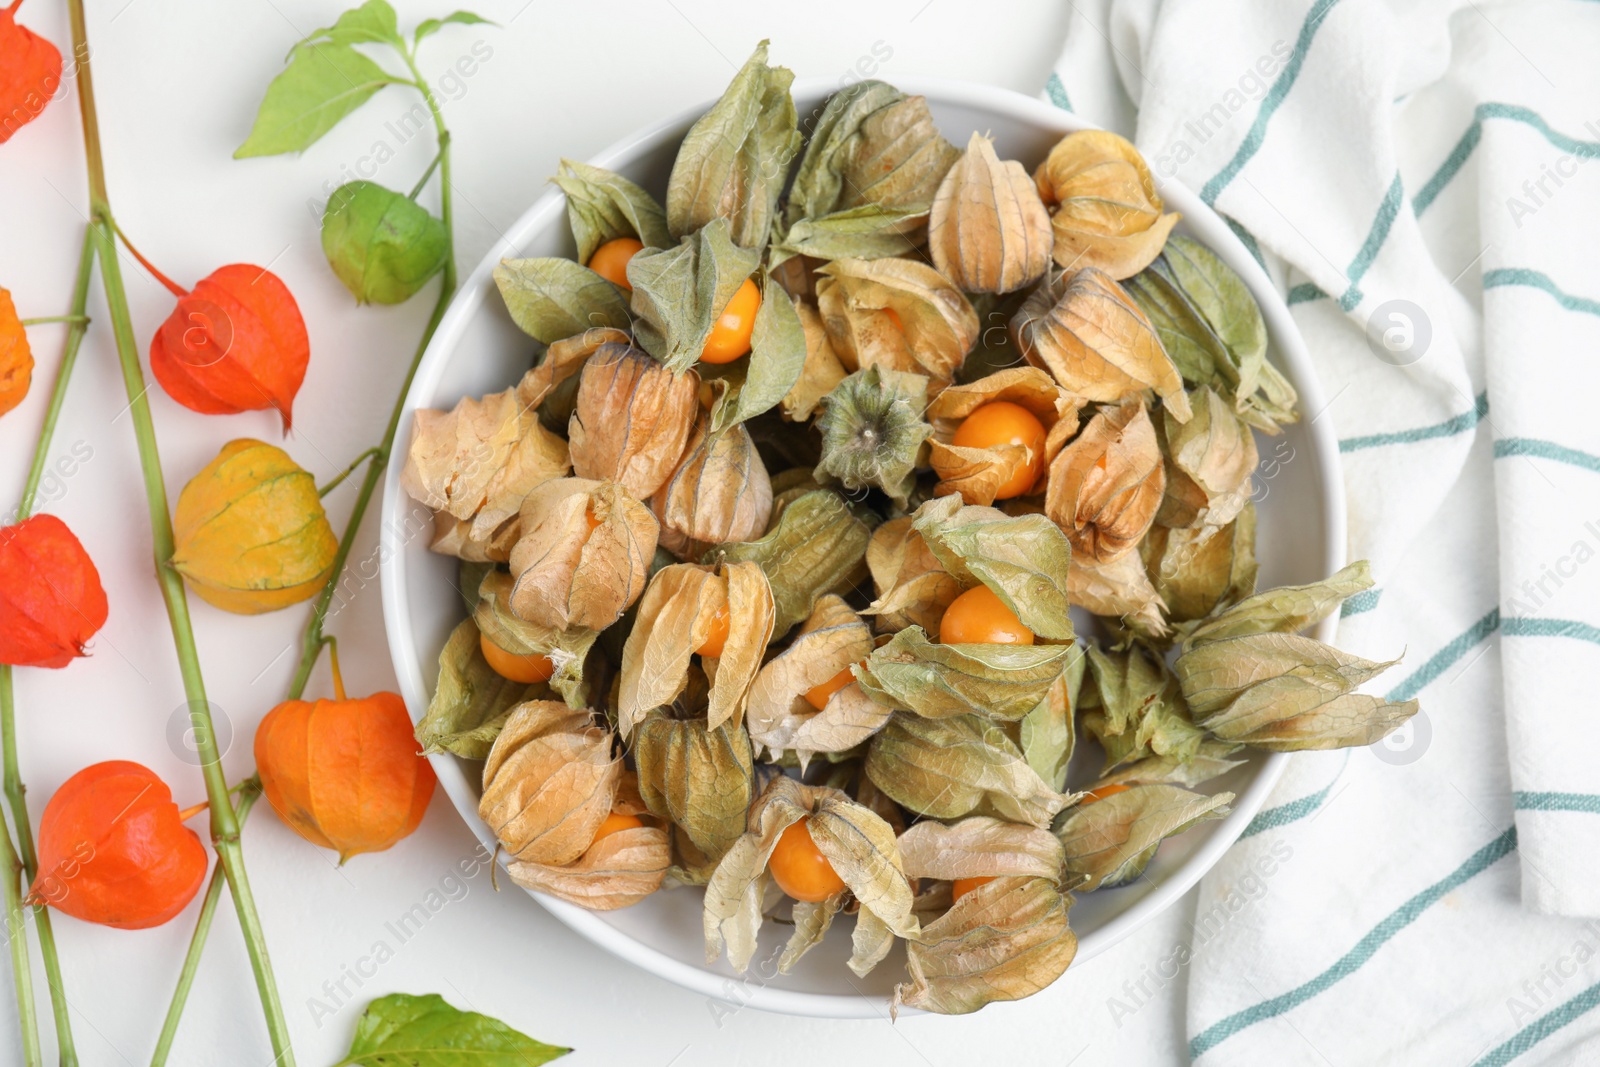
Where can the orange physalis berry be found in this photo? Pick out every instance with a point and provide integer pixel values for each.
(526, 668)
(730, 337)
(610, 261)
(962, 886)
(113, 849)
(16, 358)
(344, 773)
(817, 696)
(51, 601)
(978, 616)
(1001, 422)
(30, 73)
(800, 868)
(615, 823)
(717, 638)
(1092, 795)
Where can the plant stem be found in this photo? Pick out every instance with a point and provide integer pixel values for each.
(422, 181)
(331, 486)
(14, 789)
(250, 790)
(40, 321)
(17, 931)
(224, 824)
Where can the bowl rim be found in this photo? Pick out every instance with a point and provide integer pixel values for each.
(744, 991)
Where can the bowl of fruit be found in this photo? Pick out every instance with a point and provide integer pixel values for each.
(858, 549)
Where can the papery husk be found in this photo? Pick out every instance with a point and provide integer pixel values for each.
(988, 231)
(1024, 559)
(1089, 333)
(977, 474)
(1215, 454)
(873, 432)
(937, 681)
(720, 492)
(570, 573)
(1140, 709)
(471, 701)
(564, 360)
(548, 783)
(617, 871)
(980, 847)
(1287, 609)
(1121, 590)
(1208, 762)
(632, 419)
(1106, 212)
(249, 533)
(822, 369)
(476, 463)
(602, 206)
(859, 845)
(1048, 734)
(679, 292)
(1003, 940)
(816, 545)
(1197, 571)
(947, 768)
(1106, 485)
(834, 638)
(913, 588)
(697, 777)
(567, 650)
(1110, 841)
(937, 325)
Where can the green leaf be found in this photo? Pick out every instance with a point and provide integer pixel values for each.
(429, 27)
(679, 292)
(552, 299)
(402, 1030)
(603, 205)
(322, 84)
(371, 23)
(382, 245)
(777, 356)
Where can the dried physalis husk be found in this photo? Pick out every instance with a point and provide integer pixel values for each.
(619, 870)
(1196, 571)
(1024, 559)
(1111, 840)
(1120, 590)
(1286, 610)
(471, 701)
(474, 465)
(1003, 940)
(583, 556)
(566, 649)
(1211, 458)
(562, 363)
(686, 607)
(632, 419)
(1139, 711)
(1106, 211)
(897, 314)
(1086, 330)
(1048, 734)
(988, 231)
(1106, 485)
(938, 681)
(822, 370)
(817, 545)
(858, 844)
(947, 768)
(548, 783)
(720, 492)
(698, 777)
(978, 474)
(873, 432)
(1210, 760)
(780, 715)
(980, 847)
(913, 587)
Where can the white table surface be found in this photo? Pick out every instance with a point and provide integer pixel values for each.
(178, 83)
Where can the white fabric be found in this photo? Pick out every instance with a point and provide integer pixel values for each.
(1431, 900)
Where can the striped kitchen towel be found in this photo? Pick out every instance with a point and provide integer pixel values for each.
(1422, 181)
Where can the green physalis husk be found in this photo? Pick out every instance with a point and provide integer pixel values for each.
(1139, 709)
(873, 432)
(566, 649)
(382, 244)
(735, 159)
(700, 779)
(1048, 734)
(1111, 841)
(1197, 571)
(679, 291)
(552, 299)
(937, 681)
(816, 546)
(1248, 677)
(603, 205)
(748, 387)
(470, 701)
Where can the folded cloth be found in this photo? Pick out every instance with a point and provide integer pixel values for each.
(1420, 179)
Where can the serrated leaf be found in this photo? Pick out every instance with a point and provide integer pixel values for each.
(679, 292)
(602, 205)
(428, 27)
(552, 299)
(402, 1030)
(322, 84)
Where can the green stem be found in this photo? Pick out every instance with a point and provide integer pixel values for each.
(250, 790)
(16, 792)
(224, 824)
(17, 929)
(342, 475)
(84, 319)
(417, 188)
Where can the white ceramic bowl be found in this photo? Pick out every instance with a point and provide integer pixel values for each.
(478, 350)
